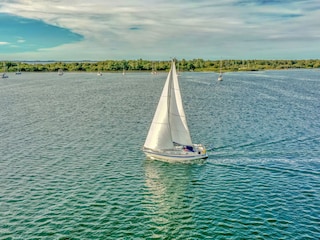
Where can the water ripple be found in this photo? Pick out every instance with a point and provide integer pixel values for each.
(71, 166)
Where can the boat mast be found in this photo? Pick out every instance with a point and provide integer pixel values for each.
(169, 99)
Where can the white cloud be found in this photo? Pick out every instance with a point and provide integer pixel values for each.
(162, 28)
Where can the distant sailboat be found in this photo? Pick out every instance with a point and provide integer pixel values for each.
(18, 72)
(60, 72)
(169, 138)
(99, 73)
(178, 72)
(4, 75)
(220, 78)
(154, 70)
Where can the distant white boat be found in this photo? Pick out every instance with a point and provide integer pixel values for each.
(99, 73)
(60, 72)
(18, 72)
(4, 75)
(169, 138)
(178, 72)
(220, 78)
(154, 70)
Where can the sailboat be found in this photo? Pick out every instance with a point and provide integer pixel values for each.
(18, 72)
(169, 138)
(154, 70)
(4, 75)
(60, 72)
(178, 72)
(220, 78)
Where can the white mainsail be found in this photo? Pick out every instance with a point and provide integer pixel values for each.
(169, 124)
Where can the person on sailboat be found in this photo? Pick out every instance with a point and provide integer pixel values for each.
(188, 148)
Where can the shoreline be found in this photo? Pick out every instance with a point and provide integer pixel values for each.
(195, 65)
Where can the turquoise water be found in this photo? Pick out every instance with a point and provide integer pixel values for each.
(71, 165)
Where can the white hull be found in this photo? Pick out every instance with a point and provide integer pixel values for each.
(176, 155)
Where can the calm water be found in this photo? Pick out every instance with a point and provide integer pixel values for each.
(71, 165)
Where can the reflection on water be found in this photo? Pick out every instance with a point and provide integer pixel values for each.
(171, 198)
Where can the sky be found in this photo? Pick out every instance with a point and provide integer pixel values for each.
(74, 30)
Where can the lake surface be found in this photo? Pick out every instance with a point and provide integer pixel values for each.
(71, 165)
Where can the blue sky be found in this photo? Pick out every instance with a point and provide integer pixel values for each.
(159, 29)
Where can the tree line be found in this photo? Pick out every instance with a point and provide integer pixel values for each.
(147, 65)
